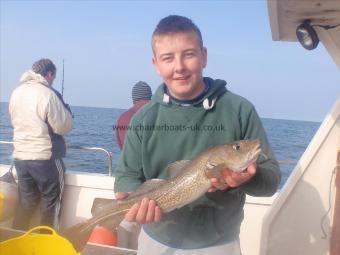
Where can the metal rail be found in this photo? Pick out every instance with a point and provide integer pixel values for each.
(108, 154)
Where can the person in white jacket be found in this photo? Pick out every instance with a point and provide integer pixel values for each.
(39, 118)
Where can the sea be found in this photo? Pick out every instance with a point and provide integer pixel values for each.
(93, 128)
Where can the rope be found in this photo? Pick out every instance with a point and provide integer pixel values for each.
(323, 219)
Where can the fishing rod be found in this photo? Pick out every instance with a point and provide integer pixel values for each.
(62, 82)
(62, 92)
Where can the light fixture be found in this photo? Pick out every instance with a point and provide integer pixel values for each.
(307, 36)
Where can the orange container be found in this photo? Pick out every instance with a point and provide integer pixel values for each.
(103, 235)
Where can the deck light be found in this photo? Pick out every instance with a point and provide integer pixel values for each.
(307, 36)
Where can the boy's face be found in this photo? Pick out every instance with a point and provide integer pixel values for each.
(179, 60)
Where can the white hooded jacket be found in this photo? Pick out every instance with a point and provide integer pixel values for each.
(32, 105)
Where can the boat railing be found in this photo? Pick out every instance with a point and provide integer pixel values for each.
(108, 153)
(79, 147)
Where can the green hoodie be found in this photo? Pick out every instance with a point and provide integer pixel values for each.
(164, 131)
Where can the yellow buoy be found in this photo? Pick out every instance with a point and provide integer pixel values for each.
(8, 200)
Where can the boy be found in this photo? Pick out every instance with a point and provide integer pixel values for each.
(189, 114)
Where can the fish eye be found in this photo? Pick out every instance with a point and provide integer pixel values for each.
(236, 147)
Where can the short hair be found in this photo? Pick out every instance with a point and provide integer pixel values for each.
(43, 66)
(176, 24)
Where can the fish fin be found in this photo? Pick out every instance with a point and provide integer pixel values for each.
(113, 222)
(215, 172)
(78, 235)
(100, 203)
(175, 168)
(146, 187)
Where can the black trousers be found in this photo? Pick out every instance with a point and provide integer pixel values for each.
(39, 181)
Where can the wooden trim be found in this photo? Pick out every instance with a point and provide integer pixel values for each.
(335, 238)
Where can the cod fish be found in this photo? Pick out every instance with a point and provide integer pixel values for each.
(188, 181)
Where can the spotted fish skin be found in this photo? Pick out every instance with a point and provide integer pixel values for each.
(190, 183)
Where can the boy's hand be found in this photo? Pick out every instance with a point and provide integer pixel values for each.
(144, 212)
(233, 179)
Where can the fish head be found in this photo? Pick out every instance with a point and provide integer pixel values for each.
(236, 156)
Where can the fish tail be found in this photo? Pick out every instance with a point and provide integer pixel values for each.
(78, 234)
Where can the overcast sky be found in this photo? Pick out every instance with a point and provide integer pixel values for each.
(106, 48)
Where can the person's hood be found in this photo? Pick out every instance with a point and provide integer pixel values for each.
(216, 89)
(32, 77)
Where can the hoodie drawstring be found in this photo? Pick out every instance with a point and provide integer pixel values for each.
(208, 106)
(166, 98)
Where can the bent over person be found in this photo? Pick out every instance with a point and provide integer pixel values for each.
(39, 118)
(206, 114)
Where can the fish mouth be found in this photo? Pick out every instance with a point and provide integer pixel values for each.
(257, 151)
(251, 156)
(254, 154)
